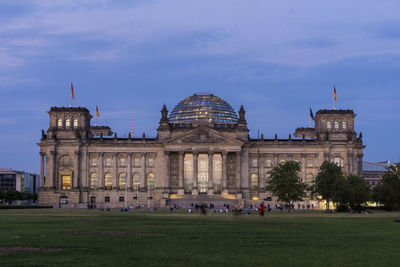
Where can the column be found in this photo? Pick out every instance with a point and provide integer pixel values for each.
(224, 177)
(168, 171)
(76, 180)
(181, 170)
(195, 169)
(350, 163)
(129, 174)
(303, 167)
(115, 183)
(143, 176)
(276, 159)
(101, 170)
(261, 174)
(238, 167)
(210, 172)
(55, 179)
(42, 182)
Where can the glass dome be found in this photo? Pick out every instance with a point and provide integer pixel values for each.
(203, 107)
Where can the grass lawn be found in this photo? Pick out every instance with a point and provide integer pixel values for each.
(145, 238)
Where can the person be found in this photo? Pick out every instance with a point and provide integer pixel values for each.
(262, 207)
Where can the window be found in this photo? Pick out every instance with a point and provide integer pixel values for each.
(338, 161)
(266, 178)
(310, 162)
(296, 158)
(336, 125)
(268, 163)
(150, 162)
(254, 182)
(122, 181)
(122, 161)
(108, 181)
(93, 161)
(94, 181)
(66, 182)
(136, 181)
(344, 125)
(65, 160)
(75, 123)
(254, 162)
(136, 161)
(107, 199)
(59, 123)
(108, 160)
(150, 181)
(309, 178)
(67, 123)
(328, 125)
(121, 199)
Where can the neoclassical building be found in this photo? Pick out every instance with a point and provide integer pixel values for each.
(202, 152)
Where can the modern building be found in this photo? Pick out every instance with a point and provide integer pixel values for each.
(373, 172)
(19, 181)
(202, 153)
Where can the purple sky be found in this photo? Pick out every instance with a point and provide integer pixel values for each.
(277, 59)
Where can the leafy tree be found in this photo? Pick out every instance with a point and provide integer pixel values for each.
(388, 192)
(285, 183)
(329, 182)
(354, 192)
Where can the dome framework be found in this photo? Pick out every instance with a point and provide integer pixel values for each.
(203, 107)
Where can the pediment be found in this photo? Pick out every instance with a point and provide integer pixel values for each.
(203, 135)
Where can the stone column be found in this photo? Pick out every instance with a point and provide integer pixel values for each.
(303, 167)
(276, 159)
(360, 164)
(350, 162)
(129, 182)
(210, 173)
(42, 159)
(115, 183)
(195, 172)
(224, 174)
(181, 190)
(143, 178)
(101, 172)
(238, 166)
(76, 179)
(168, 171)
(261, 174)
(55, 179)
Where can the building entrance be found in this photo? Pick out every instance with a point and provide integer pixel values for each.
(202, 174)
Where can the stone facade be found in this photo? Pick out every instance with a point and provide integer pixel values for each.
(200, 159)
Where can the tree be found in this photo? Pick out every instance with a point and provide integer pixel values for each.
(285, 183)
(388, 192)
(354, 192)
(329, 182)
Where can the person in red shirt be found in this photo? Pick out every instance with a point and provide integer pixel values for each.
(262, 208)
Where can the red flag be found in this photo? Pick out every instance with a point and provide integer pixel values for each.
(97, 112)
(72, 92)
(334, 93)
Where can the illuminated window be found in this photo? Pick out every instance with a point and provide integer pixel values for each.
(65, 160)
(108, 161)
(310, 162)
(296, 158)
(188, 172)
(136, 161)
(254, 162)
(136, 181)
(150, 181)
(336, 125)
(309, 178)
(108, 181)
(122, 161)
(75, 122)
(202, 173)
(66, 182)
(338, 161)
(344, 125)
(93, 161)
(268, 163)
(150, 162)
(328, 125)
(122, 180)
(59, 123)
(67, 123)
(94, 181)
(254, 182)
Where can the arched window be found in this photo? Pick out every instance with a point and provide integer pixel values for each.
(150, 181)
(122, 181)
(344, 125)
(136, 181)
(59, 123)
(296, 158)
(136, 161)
(75, 123)
(338, 161)
(309, 178)
(328, 125)
(94, 181)
(108, 181)
(150, 162)
(122, 161)
(254, 182)
(65, 160)
(67, 123)
(268, 163)
(66, 182)
(93, 161)
(336, 125)
(310, 162)
(108, 161)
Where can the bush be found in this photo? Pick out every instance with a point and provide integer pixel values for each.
(10, 207)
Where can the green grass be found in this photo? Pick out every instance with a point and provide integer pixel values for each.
(161, 239)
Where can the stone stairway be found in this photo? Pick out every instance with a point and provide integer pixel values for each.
(219, 201)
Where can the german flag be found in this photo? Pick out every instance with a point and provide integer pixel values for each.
(334, 93)
(72, 92)
(97, 112)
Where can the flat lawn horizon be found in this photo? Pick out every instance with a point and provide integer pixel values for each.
(157, 238)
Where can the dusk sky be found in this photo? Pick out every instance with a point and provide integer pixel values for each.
(277, 59)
